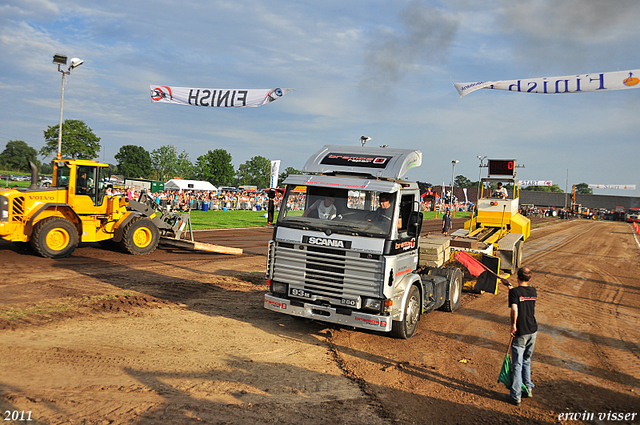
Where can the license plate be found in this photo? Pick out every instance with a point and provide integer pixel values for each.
(299, 293)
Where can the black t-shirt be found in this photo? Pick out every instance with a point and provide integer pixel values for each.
(446, 220)
(525, 298)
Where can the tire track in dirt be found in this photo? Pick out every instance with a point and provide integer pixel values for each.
(587, 339)
(454, 360)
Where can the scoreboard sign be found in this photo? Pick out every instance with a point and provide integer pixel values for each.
(502, 167)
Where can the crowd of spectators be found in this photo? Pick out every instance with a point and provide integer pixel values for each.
(223, 200)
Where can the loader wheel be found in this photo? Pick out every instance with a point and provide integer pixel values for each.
(407, 327)
(454, 287)
(54, 237)
(140, 236)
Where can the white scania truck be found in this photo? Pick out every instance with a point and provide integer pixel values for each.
(345, 247)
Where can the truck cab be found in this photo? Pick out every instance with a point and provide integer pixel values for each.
(345, 244)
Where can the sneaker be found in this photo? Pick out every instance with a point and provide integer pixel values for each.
(512, 400)
(528, 393)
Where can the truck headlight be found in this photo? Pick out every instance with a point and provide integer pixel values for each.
(372, 304)
(278, 287)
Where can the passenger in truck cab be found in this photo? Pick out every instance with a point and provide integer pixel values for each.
(324, 208)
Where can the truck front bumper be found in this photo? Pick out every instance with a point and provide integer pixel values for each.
(328, 314)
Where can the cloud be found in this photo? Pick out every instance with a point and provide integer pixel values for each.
(573, 21)
(422, 39)
(570, 35)
(28, 9)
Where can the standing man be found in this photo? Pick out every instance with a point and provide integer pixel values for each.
(446, 223)
(524, 328)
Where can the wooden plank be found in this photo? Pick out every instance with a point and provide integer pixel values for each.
(201, 246)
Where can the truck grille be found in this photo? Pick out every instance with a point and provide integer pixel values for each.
(328, 272)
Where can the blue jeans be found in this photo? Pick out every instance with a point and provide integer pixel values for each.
(521, 352)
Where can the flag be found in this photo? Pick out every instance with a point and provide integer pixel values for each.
(215, 98)
(475, 267)
(506, 372)
(599, 81)
(275, 169)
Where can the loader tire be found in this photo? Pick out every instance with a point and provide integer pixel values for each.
(54, 237)
(140, 236)
(454, 287)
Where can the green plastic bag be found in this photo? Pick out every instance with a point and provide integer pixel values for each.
(506, 373)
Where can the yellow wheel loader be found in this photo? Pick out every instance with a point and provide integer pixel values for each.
(74, 209)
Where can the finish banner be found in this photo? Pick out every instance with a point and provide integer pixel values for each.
(613, 186)
(602, 81)
(536, 183)
(215, 98)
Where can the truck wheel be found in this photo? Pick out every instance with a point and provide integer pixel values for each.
(140, 236)
(54, 237)
(407, 327)
(454, 286)
(455, 291)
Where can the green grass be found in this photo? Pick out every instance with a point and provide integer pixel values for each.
(4, 184)
(227, 219)
(431, 214)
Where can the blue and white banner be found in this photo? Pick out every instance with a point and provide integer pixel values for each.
(536, 183)
(215, 98)
(275, 170)
(601, 81)
(613, 186)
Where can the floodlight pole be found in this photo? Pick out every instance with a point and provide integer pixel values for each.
(453, 169)
(62, 60)
(64, 73)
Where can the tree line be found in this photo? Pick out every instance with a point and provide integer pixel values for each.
(80, 142)
(164, 163)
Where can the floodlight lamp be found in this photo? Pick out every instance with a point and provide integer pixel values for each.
(60, 59)
(75, 62)
(455, 161)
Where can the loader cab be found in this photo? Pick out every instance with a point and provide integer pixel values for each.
(84, 180)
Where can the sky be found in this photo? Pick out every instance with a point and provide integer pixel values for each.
(381, 69)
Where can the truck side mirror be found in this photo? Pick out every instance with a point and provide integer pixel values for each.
(415, 223)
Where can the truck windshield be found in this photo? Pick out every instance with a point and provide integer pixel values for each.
(339, 210)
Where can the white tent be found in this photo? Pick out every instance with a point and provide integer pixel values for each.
(180, 184)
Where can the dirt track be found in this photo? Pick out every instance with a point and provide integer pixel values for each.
(180, 337)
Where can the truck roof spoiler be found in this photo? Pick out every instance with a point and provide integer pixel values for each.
(375, 162)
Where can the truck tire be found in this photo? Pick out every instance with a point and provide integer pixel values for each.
(407, 327)
(454, 287)
(54, 237)
(140, 236)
